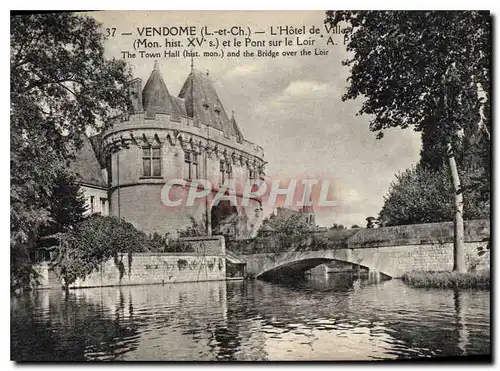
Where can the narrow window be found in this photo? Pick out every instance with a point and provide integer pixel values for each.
(187, 161)
(156, 161)
(195, 165)
(103, 206)
(222, 172)
(109, 169)
(92, 204)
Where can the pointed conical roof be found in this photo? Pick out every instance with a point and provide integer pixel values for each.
(203, 103)
(155, 95)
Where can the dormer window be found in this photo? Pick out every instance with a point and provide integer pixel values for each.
(217, 108)
(205, 104)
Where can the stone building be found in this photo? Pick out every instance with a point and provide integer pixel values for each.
(166, 137)
(92, 178)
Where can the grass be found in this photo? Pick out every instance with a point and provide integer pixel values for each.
(446, 280)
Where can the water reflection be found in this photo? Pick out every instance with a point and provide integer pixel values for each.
(337, 317)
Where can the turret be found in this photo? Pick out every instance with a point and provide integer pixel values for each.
(155, 95)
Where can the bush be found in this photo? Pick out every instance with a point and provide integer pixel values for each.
(446, 280)
(93, 242)
(158, 243)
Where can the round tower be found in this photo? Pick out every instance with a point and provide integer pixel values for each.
(187, 137)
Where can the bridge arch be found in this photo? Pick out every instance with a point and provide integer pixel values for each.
(298, 267)
(290, 263)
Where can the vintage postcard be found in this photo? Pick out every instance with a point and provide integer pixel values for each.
(250, 186)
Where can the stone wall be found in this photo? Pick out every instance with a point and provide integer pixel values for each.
(154, 268)
(206, 263)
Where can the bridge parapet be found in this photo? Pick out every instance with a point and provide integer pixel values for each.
(415, 234)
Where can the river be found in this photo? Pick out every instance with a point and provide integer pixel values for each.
(337, 317)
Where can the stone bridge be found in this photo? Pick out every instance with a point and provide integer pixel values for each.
(391, 251)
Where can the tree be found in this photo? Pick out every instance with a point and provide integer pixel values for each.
(68, 205)
(421, 195)
(61, 85)
(337, 226)
(422, 69)
(287, 224)
(371, 222)
(288, 229)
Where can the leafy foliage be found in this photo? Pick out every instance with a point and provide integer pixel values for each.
(93, 242)
(23, 276)
(65, 212)
(67, 206)
(286, 225)
(401, 57)
(420, 195)
(427, 70)
(98, 239)
(371, 222)
(158, 243)
(288, 229)
(337, 226)
(61, 85)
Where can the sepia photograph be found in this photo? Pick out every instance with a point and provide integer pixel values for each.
(250, 186)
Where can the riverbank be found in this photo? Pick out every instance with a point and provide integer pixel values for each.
(445, 280)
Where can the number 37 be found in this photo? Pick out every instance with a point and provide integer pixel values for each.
(110, 32)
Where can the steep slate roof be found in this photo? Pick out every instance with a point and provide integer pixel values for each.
(155, 95)
(85, 165)
(180, 105)
(96, 141)
(202, 101)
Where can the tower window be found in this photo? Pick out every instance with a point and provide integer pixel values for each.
(151, 161)
(109, 169)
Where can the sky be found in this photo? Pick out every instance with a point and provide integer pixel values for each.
(289, 105)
